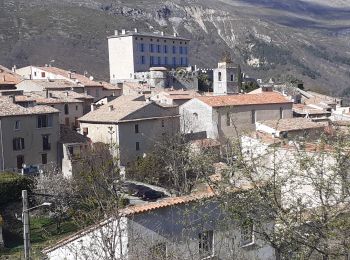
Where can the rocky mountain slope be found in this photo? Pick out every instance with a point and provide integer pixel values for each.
(309, 39)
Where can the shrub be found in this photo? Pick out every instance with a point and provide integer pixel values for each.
(11, 186)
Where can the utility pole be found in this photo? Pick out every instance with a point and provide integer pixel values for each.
(26, 231)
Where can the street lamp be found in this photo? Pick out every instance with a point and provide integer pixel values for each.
(25, 220)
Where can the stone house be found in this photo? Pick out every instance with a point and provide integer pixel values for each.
(71, 105)
(71, 146)
(97, 89)
(223, 117)
(174, 97)
(28, 136)
(187, 227)
(8, 78)
(132, 123)
(292, 128)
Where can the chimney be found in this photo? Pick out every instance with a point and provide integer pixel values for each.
(14, 68)
(162, 33)
(116, 32)
(175, 34)
(110, 108)
(69, 74)
(46, 65)
(93, 107)
(148, 100)
(136, 31)
(123, 31)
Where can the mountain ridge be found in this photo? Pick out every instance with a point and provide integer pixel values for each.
(306, 39)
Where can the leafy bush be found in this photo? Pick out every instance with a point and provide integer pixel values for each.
(11, 186)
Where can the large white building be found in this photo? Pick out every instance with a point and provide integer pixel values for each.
(131, 52)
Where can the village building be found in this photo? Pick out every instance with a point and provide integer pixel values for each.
(171, 228)
(225, 78)
(174, 97)
(291, 128)
(71, 105)
(8, 78)
(132, 52)
(132, 123)
(28, 136)
(307, 111)
(72, 146)
(97, 89)
(223, 117)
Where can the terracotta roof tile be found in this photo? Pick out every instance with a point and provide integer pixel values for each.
(8, 108)
(81, 79)
(245, 99)
(293, 124)
(9, 77)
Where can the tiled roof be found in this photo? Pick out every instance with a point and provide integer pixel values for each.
(122, 106)
(67, 135)
(205, 143)
(181, 94)
(57, 97)
(304, 109)
(293, 124)
(9, 77)
(50, 84)
(136, 86)
(8, 108)
(81, 79)
(245, 99)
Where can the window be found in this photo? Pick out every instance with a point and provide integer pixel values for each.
(137, 146)
(219, 76)
(206, 243)
(44, 158)
(174, 61)
(158, 251)
(228, 119)
(66, 109)
(232, 77)
(165, 49)
(34, 73)
(174, 49)
(46, 142)
(165, 60)
(181, 61)
(136, 129)
(247, 233)
(143, 60)
(159, 61)
(76, 108)
(43, 74)
(18, 143)
(20, 161)
(66, 121)
(158, 48)
(151, 60)
(142, 47)
(195, 116)
(44, 121)
(281, 112)
(85, 131)
(253, 117)
(163, 123)
(185, 50)
(151, 47)
(17, 125)
(180, 49)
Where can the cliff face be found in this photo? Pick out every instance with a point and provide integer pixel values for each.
(270, 38)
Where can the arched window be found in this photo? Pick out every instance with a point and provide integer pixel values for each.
(195, 116)
(232, 77)
(219, 76)
(66, 109)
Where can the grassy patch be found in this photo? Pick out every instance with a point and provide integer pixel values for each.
(43, 231)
